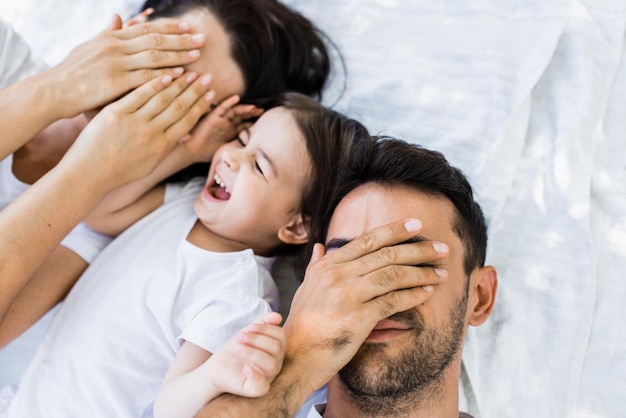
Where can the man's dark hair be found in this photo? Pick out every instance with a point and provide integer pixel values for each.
(389, 161)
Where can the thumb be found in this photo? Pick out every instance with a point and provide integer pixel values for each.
(318, 252)
(116, 23)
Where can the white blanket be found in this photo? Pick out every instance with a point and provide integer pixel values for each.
(528, 97)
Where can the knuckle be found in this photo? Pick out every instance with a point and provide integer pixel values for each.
(155, 55)
(189, 120)
(386, 276)
(386, 304)
(164, 100)
(156, 39)
(146, 28)
(365, 243)
(274, 346)
(387, 254)
(147, 75)
(179, 108)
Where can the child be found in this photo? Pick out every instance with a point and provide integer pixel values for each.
(251, 48)
(176, 285)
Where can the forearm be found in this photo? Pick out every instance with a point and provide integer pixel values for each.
(184, 395)
(27, 107)
(47, 287)
(117, 206)
(288, 392)
(34, 224)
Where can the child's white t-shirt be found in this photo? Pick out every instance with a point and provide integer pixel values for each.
(120, 327)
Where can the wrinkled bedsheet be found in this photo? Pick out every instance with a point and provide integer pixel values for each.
(528, 97)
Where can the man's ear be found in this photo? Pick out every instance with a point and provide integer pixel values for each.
(296, 231)
(485, 282)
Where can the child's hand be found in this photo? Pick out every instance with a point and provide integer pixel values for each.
(218, 127)
(248, 363)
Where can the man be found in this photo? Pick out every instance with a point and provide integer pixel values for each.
(400, 361)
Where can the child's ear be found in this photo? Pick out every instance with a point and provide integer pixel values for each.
(484, 295)
(296, 231)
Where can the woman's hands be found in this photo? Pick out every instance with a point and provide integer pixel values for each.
(119, 60)
(128, 138)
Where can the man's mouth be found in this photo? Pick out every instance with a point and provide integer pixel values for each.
(219, 189)
(386, 330)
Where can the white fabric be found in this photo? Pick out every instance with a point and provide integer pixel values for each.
(120, 327)
(528, 97)
(309, 409)
(16, 61)
(10, 186)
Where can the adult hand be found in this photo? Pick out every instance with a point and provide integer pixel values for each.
(128, 138)
(119, 60)
(347, 291)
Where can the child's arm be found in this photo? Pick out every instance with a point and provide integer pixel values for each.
(126, 205)
(246, 365)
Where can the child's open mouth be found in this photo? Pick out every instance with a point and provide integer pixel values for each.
(219, 189)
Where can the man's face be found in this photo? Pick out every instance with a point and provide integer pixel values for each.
(407, 351)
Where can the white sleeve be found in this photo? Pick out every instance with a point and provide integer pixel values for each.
(221, 319)
(16, 62)
(172, 189)
(85, 242)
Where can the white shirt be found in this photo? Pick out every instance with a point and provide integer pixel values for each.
(120, 327)
(16, 62)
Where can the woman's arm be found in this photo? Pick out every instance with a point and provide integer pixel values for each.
(126, 205)
(96, 72)
(48, 286)
(148, 123)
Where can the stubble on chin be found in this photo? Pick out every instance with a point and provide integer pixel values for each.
(385, 380)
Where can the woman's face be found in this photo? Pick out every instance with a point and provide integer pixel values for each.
(215, 58)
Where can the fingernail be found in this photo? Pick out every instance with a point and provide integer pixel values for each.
(184, 26)
(166, 79)
(441, 272)
(191, 77)
(428, 288)
(440, 247)
(205, 80)
(413, 225)
(209, 96)
(178, 70)
(198, 38)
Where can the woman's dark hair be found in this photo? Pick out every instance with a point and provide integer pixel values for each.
(276, 48)
(389, 161)
(331, 140)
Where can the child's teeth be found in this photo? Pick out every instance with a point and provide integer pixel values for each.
(220, 182)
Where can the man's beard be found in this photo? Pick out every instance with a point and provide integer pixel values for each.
(378, 383)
